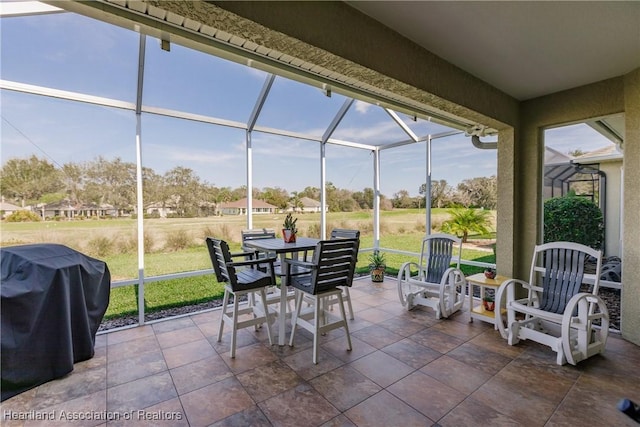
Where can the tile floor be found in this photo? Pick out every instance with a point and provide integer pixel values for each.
(406, 369)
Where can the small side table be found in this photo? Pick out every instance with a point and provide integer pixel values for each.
(478, 311)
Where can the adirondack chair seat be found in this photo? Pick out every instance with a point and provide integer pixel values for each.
(433, 282)
(551, 309)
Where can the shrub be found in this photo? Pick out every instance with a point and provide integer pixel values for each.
(573, 219)
(314, 230)
(177, 240)
(100, 246)
(23, 216)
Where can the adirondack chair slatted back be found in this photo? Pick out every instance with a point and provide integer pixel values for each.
(563, 276)
(436, 256)
(335, 262)
(220, 256)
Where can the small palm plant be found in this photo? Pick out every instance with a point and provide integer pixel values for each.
(467, 220)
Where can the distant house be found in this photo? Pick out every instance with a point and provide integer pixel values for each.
(66, 209)
(307, 205)
(160, 210)
(7, 209)
(239, 207)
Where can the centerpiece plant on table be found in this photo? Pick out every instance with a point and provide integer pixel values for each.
(289, 229)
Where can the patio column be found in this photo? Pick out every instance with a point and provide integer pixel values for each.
(630, 310)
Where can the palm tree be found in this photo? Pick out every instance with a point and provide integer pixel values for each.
(466, 220)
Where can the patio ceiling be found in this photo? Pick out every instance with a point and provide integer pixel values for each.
(526, 49)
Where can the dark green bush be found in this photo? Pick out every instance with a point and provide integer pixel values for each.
(573, 219)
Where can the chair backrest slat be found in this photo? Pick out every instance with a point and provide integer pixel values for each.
(559, 269)
(335, 262)
(256, 234)
(343, 233)
(562, 279)
(437, 254)
(220, 256)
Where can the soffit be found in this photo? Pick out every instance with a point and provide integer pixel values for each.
(526, 49)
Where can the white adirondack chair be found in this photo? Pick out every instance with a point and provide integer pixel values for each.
(550, 308)
(433, 282)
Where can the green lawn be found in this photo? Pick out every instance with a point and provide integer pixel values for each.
(114, 241)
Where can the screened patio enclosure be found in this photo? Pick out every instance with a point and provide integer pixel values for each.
(138, 107)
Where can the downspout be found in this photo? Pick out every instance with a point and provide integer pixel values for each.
(475, 140)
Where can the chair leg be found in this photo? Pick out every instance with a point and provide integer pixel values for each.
(347, 296)
(344, 319)
(225, 301)
(294, 316)
(234, 330)
(317, 310)
(263, 294)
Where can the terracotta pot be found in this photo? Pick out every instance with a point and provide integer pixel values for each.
(288, 236)
(489, 305)
(377, 275)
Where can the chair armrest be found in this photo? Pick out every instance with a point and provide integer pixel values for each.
(445, 276)
(252, 262)
(300, 263)
(243, 254)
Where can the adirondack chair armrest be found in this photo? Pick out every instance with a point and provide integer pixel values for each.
(458, 276)
(405, 270)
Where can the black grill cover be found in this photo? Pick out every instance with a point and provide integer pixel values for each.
(53, 300)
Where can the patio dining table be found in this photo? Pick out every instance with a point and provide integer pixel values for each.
(281, 248)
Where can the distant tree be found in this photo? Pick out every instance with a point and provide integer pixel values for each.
(276, 196)
(441, 193)
(479, 192)
(466, 220)
(364, 198)
(110, 181)
(402, 200)
(185, 189)
(310, 192)
(73, 176)
(29, 179)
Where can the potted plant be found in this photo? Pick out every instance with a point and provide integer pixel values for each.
(488, 303)
(377, 265)
(490, 273)
(289, 229)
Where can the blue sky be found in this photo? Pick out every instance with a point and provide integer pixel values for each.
(74, 53)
